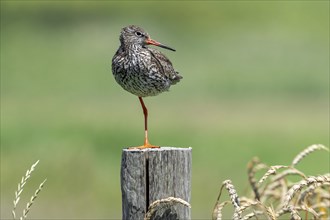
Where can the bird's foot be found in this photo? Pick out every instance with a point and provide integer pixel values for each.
(145, 146)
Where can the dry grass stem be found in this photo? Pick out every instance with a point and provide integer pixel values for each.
(232, 193)
(310, 210)
(285, 173)
(271, 213)
(294, 213)
(253, 166)
(249, 204)
(321, 205)
(30, 203)
(233, 198)
(323, 179)
(272, 171)
(251, 215)
(310, 189)
(283, 190)
(163, 203)
(258, 209)
(325, 192)
(308, 198)
(20, 187)
(20, 190)
(217, 211)
(270, 188)
(307, 151)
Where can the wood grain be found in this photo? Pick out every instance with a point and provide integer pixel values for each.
(152, 174)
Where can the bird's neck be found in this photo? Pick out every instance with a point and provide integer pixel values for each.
(133, 48)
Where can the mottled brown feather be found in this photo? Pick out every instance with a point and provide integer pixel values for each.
(139, 69)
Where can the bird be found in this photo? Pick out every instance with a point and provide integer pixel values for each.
(141, 70)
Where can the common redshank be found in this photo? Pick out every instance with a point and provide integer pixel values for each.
(141, 70)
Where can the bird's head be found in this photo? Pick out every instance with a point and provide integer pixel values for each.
(135, 35)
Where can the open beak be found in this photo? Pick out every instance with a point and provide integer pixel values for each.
(153, 42)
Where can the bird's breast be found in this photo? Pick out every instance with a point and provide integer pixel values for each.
(140, 74)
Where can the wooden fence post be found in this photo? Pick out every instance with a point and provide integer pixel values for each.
(153, 174)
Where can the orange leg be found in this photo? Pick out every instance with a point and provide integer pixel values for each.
(146, 141)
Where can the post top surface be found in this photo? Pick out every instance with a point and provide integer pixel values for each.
(160, 149)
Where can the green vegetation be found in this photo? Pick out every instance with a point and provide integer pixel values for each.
(256, 83)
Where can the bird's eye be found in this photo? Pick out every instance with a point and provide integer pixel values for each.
(138, 33)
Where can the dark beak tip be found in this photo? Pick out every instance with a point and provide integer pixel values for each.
(168, 48)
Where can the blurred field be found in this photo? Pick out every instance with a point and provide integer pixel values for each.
(256, 83)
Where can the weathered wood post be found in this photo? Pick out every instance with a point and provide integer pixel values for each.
(153, 174)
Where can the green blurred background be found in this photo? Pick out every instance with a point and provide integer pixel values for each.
(256, 83)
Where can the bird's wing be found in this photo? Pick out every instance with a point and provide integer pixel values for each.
(165, 65)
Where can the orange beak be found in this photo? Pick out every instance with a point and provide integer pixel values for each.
(153, 42)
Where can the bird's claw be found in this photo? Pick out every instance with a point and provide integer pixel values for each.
(145, 146)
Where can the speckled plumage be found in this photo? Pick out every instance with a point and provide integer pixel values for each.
(141, 70)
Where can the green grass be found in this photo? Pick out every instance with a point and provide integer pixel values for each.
(255, 84)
